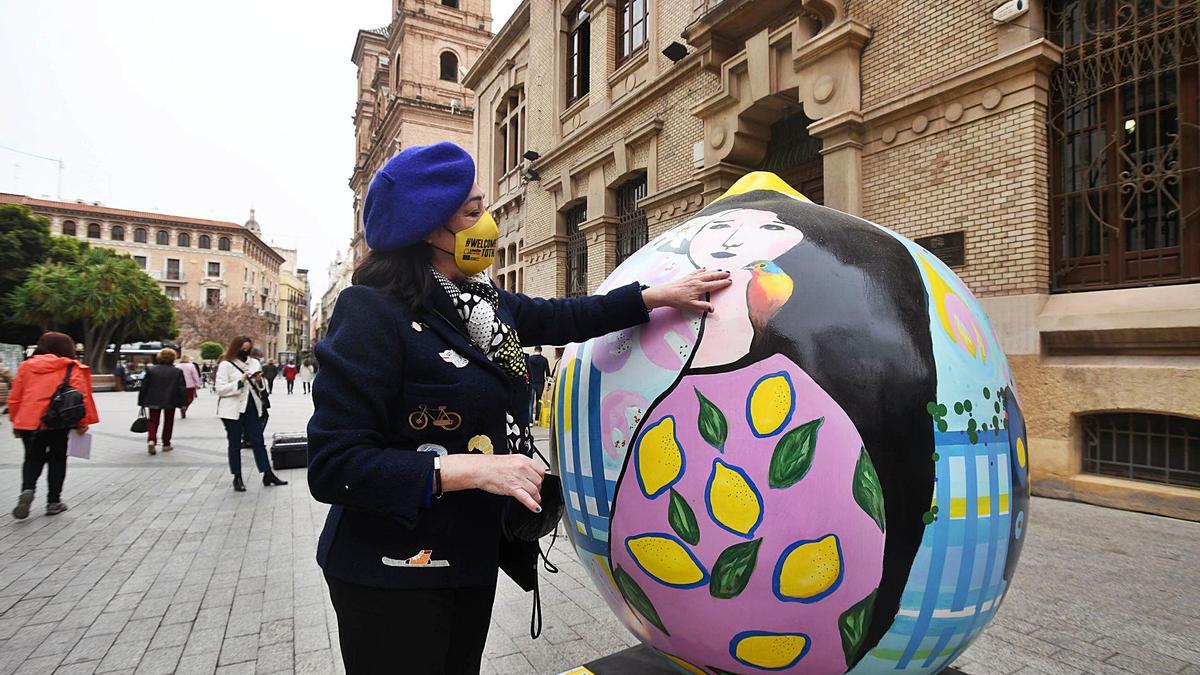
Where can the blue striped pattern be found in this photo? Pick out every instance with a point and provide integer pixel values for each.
(956, 581)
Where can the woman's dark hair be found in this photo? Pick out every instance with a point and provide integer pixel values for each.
(235, 346)
(57, 344)
(404, 274)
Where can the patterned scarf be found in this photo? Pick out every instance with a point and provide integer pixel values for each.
(478, 304)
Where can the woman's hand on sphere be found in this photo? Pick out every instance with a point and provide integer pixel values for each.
(687, 293)
(515, 476)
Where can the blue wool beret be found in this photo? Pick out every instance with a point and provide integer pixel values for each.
(415, 193)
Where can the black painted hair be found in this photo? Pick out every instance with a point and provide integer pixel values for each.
(403, 273)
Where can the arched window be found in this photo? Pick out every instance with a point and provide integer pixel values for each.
(449, 64)
(117, 233)
(93, 230)
(223, 243)
(205, 241)
(68, 228)
(139, 235)
(162, 238)
(184, 239)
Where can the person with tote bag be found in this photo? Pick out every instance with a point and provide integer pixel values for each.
(241, 404)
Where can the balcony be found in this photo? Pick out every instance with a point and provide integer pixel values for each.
(168, 277)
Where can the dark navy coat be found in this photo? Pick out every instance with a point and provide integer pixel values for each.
(392, 381)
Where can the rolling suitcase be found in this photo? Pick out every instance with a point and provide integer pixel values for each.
(289, 451)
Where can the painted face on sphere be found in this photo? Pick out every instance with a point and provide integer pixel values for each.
(738, 237)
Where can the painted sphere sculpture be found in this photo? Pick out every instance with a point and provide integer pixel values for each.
(826, 474)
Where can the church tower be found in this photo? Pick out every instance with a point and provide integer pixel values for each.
(410, 88)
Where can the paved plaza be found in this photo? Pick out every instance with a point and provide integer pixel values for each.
(160, 567)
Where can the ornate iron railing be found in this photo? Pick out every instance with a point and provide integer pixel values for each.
(631, 220)
(576, 252)
(1124, 143)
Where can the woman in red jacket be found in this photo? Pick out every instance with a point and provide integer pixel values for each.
(35, 384)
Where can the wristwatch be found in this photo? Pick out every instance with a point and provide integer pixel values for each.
(437, 476)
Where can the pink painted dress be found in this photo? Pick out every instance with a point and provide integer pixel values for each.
(749, 512)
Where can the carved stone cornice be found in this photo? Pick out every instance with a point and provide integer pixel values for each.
(674, 202)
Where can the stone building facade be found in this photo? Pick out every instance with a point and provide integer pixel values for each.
(294, 299)
(410, 89)
(1052, 158)
(195, 260)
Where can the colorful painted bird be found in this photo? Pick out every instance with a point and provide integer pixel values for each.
(768, 290)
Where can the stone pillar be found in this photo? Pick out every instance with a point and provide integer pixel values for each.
(841, 148)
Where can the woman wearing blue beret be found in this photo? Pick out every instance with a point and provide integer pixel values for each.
(420, 440)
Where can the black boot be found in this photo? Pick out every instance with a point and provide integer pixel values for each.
(238, 485)
(269, 479)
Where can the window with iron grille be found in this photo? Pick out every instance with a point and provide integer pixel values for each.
(1143, 446)
(576, 251)
(579, 53)
(631, 220)
(631, 27)
(795, 156)
(1124, 143)
(68, 228)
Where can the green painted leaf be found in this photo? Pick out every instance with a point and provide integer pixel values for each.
(794, 454)
(733, 568)
(683, 519)
(867, 491)
(713, 426)
(637, 599)
(853, 625)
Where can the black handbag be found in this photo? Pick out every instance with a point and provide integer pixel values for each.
(140, 424)
(66, 407)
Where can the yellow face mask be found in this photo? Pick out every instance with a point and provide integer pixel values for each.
(475, 247)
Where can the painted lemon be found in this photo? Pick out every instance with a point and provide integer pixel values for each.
(1021, 452)
(809, 570)
(733, 501)
(667, 560)
(659, 458)
(771, 403)
(770, 651)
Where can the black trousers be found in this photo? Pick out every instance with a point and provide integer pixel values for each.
(291, 383)
(432, 631)
(47, 447)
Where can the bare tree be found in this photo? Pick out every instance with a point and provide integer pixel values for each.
(199, 322)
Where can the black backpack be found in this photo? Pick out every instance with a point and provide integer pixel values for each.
(66, 406)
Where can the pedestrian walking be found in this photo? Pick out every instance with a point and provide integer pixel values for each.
(270, 372)
(191, 383)
(164, 388)
(306, 375)
(118, 374)
(242, 394)
(539, 368)
(420, 437)
(289, 375)
(39, 378)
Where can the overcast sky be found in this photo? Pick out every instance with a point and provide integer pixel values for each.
(193, 109)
